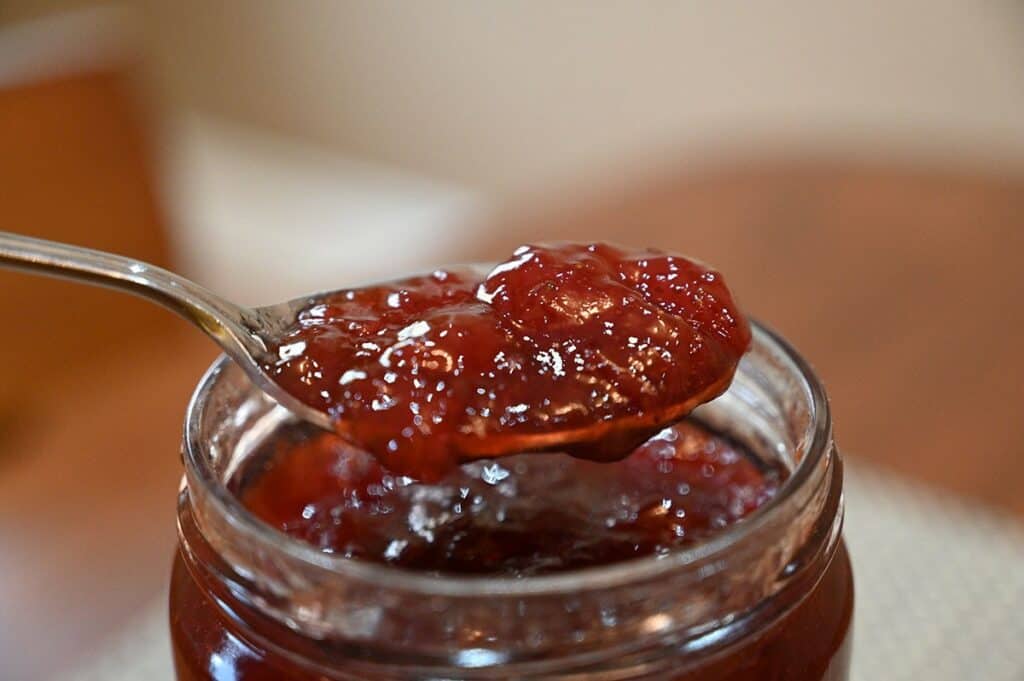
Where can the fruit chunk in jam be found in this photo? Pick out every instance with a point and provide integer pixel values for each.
(521, 515)
(587, 343)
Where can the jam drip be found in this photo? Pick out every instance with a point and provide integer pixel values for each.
(521, 515)
(589, 349)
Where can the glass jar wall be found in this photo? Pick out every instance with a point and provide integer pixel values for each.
(768, 598)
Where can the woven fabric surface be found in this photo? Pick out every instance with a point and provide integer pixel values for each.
(940, 593)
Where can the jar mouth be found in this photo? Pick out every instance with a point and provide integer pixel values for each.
(815, 444)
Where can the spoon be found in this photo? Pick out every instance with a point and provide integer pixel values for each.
(245, 334)
(248, 335)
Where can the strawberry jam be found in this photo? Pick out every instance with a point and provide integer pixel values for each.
(515, 488)
(588, 349)
(538, 566)
(520, 515)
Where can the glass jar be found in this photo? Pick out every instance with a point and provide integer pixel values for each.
(768, 598)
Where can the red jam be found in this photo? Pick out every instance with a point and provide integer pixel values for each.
(590, 346)
(521, 515)
(589, 349)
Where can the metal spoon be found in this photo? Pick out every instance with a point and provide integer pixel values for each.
(245, 334)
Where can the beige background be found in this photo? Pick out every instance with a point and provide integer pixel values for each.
(512, 96)
(507, 96)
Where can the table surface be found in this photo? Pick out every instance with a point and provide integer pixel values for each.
(900, 283)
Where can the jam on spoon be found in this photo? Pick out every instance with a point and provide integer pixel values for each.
(588, 349)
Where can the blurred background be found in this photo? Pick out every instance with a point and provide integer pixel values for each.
(857, 170)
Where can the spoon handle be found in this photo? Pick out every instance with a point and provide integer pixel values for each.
(235, 328)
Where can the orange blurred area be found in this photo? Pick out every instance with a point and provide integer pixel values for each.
(94, 382)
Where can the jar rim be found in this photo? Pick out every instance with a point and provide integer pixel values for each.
(200, 470)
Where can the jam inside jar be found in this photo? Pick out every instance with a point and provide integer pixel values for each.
(759, 587)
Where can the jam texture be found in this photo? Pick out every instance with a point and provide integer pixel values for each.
(589, 349)
(456, 397)
(521, 515)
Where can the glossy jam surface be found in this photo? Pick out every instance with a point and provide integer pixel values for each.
(521, 515)
(586, 344)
